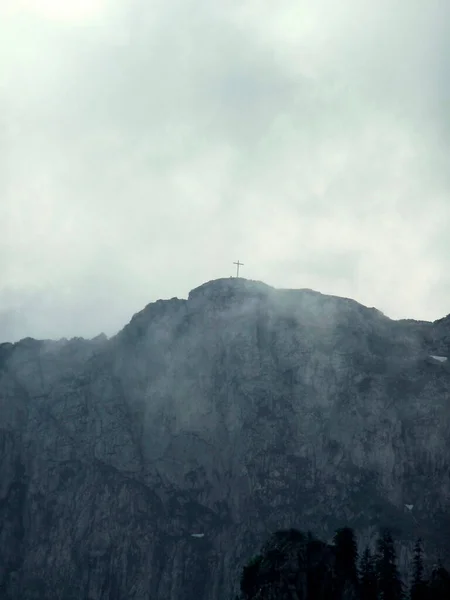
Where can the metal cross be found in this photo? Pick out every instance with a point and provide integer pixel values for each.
(239, 264)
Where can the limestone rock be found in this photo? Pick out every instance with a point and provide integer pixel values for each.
(235, 413)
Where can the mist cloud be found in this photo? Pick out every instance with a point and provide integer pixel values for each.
(146, 146)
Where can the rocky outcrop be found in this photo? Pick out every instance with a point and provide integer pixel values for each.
(237, 412)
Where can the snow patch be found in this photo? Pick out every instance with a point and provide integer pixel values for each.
(439, 358)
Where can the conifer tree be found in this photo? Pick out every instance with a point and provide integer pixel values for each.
(367, 576)
(439, 587)
(418, 585)
(346, 570)
(388, 577)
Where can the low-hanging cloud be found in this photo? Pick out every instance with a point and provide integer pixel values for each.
(147, 145)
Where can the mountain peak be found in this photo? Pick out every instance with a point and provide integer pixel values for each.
(228, 287)
(206, 422)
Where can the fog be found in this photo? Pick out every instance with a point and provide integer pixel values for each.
(145, 146)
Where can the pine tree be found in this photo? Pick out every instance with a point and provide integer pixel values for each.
(346, 571)
(418, 585)
(319, 573)
(367, 576)
(439, 588)
(388, 576)
(249, 577)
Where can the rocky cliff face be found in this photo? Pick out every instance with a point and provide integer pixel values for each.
(151, 465)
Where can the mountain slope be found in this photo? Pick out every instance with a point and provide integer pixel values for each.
(241, 410)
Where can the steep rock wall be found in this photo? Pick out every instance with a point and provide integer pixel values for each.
(238, 411)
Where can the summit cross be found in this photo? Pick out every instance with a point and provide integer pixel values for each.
(239, 264)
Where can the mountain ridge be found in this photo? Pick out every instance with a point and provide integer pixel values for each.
(232, 413)
(219, 286)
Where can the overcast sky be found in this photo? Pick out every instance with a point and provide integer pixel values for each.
(146, 145)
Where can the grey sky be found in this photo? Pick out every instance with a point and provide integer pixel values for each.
(145, 146)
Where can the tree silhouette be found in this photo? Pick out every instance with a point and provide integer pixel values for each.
(418, 585)
(319, 572)
(367, 576)
(388, 577)
(249, 577)
(439, 587)
(291, 566)
(297, 566)
(346, 570)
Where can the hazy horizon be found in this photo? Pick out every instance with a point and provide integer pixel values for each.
(112, 332)
(146, 146)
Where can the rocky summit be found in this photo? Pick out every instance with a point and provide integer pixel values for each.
(153, 464)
